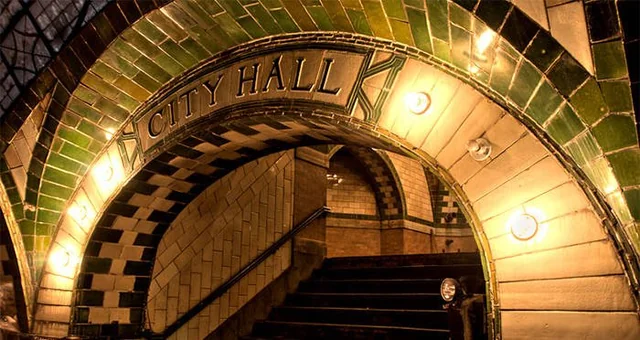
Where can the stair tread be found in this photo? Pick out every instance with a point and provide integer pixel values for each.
(354, 326)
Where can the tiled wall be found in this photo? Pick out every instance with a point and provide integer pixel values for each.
(218, 233)
(354, 194)
(414, 183)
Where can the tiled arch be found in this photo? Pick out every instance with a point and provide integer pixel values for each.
(385, 183)
(583, 147)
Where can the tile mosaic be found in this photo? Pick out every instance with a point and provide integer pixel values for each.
(394, 9)
(625, 167)
(438, 19)
(419, 29)
(609, 60)
(584, 149)
(469, 5)
(459, 16)
(321, 18)
(519, 30)
(544, 103)
(502, 71)
(632, 196)
(543, 51)
(493, 13)
(567, 74)
(615, 132)
(565, 125)
(377, 19)
(359, 21)
(617, 94)
(589, 102)
(461, 47)
(524, 83)
(442, 50)
(602, 20)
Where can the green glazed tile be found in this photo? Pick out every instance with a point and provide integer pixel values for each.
(461, 47)
(565, 125)
(105, 72)
(544, 103)
(152, 69)
(459, 16)
(543, 50)
(633, 233)
(123, 49)
(76, 153)
(86, 95)
(195, 49)
(146, 82)
(167, 25)
(394, 9)
(233, 7)
(100, 86)
(271, 4)
(73, 136)
(584, 149)
(632, 197)
(377, 19)
(18, 211)
(49, 203)
(183, 18)
(149, 31)
(84, 110)
(441, 50)
(599, 171)
(359, 21)
(615, 132)
(617, 94)
(107, 107)
(502, 72)
(211, 7)
(177, 53)
(321, 18)
(401, 31)
(625, 166)
(29, 242)
(285, 21)
(232, 28)
(49, 216)
(619, 206)
(42, 229)
(567, 74)
(169, 64)
(141, 43)
(438, 19)
(524, 83)
(338, 15)
(415, 3)
(92, 130)
(134, 90)
(300, 16)
(609, 60)
(251, 27)
(589, 102)
(64, 163)
(27, 227)
(266, 21)
(126, 102)
(419, 29)
(196, 12)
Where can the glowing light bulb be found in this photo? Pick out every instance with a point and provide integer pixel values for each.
(60, 258)
(103, 172)
(109, 133)
(78, 212)
(417, 102)
(524, 227)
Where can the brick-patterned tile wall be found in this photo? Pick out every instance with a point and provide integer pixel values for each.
(415, 187)
(218, 233)
(354, 194)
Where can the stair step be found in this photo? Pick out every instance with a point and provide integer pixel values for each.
(405, 272)
(308, 330)
(402, 260)
(421, 301)
(434, 319)
(371, 286)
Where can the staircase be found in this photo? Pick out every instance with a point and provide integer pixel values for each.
(377, 297)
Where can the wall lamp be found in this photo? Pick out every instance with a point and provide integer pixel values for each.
(417, 102)
(524, 227)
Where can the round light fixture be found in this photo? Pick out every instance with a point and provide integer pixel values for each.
(524, 227)
(417, 102)
(78, 212)
(479, 149)
(103, 172)
(60, 258)
(448, 289)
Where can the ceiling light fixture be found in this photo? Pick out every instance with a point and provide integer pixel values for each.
(479, 149)
(524, 227)
(417, 102)
(60, 258)
(103, 172)
(78, 212)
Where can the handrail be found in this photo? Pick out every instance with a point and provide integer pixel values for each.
(223, 288)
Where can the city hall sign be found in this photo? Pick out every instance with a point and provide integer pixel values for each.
(327, 76)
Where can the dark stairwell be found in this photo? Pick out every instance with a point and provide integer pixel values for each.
(373, 297)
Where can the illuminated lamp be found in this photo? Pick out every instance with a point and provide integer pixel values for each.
(524, 227)
(60, 258)
(103, 172)
(78, 212)
(479, 149)
(449, 288)
(417, 102)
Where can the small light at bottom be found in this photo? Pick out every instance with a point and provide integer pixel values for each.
(417, 102)
(524, 227)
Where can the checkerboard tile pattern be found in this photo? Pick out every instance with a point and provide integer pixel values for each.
(120, 254)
